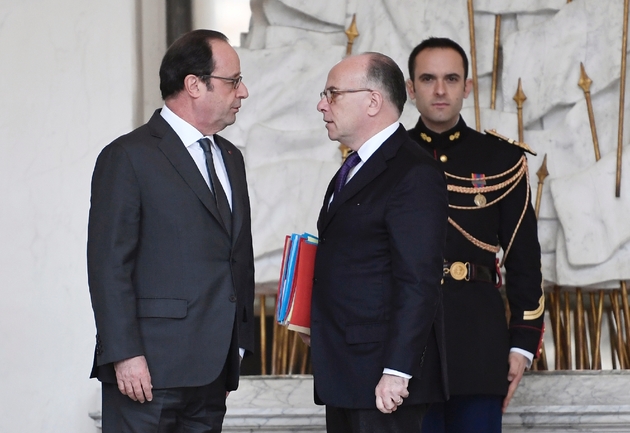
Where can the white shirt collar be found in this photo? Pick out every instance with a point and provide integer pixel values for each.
(369, 147)
(184, 130)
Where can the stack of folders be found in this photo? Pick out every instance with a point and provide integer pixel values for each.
(293, 306)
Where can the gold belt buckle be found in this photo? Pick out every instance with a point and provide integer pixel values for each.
(459, 271)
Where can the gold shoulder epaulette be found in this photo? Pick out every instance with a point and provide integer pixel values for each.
(522, 145)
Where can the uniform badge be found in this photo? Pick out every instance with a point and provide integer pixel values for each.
(425, 137)
(479, 181)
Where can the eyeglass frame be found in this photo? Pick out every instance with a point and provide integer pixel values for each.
(333, 92)
(236, 82)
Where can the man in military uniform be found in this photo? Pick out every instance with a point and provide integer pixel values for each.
(489, 210)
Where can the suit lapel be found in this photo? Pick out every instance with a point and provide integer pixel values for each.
(239, 188)
(178, 155)
(373, 167)
(322, 220)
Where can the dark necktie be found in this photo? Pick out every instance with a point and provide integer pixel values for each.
(215, 183)
(352, 160)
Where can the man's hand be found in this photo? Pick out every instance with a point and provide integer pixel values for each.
(390, 392)
(518, 364)
(134, 379)
(305, 338)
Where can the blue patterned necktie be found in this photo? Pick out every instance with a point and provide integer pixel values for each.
(217, 189)
(352, 160)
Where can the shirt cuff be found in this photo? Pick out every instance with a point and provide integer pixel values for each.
(396, 373)
(525, 353)
(241, 352)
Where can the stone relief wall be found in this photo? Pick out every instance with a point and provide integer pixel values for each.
(292, 44)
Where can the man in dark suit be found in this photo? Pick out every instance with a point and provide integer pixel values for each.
(376, 330)
(490, 207)
(170, 261)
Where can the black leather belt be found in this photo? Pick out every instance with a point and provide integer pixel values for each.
(468, 271)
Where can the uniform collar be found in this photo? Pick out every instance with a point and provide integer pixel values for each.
(444, 140)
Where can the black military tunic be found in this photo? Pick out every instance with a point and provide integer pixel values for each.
(488, 201)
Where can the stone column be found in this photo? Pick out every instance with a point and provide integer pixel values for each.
(178, 19)
(204, 14)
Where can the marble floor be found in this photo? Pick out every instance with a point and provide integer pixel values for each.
(546, 402)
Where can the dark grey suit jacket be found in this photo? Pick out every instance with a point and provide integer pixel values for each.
(166, 279)
(376, 290)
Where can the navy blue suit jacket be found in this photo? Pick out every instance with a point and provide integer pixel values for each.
(377, 282)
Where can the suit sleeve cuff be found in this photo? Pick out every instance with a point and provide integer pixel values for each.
(396, 373)
(525, 353)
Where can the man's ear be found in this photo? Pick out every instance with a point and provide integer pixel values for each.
(468, 85)
(192, 85)
(411, 89)
(376, 102)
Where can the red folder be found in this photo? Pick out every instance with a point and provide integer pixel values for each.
(293, 304)
(300, 314)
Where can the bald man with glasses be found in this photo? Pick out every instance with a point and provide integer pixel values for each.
(376, 330)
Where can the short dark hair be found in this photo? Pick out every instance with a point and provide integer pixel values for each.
(433, 42)
(384, 72)
(189, 54)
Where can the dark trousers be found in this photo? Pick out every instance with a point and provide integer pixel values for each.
(406, 419)
(174, 410)
(465, 414)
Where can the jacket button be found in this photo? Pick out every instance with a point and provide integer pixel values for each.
(232, 298)
(443, 158)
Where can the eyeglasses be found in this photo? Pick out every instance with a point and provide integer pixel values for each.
(235, 81)
(330, 94)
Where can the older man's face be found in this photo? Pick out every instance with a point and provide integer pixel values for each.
(218, 105)
(346, 111)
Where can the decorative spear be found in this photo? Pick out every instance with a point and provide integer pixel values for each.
(558, 333)
(542, 173)
(581, 357)
(567, 329)
(585, 83)
(263, 336)
(622, 94)
(473, 58)
(519, 98)
(352, 33)
(597, 312)
(495, 61)
(618, 329)
(626, 312)
(596, 306)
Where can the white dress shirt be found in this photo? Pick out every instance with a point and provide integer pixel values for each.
(190, 137)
